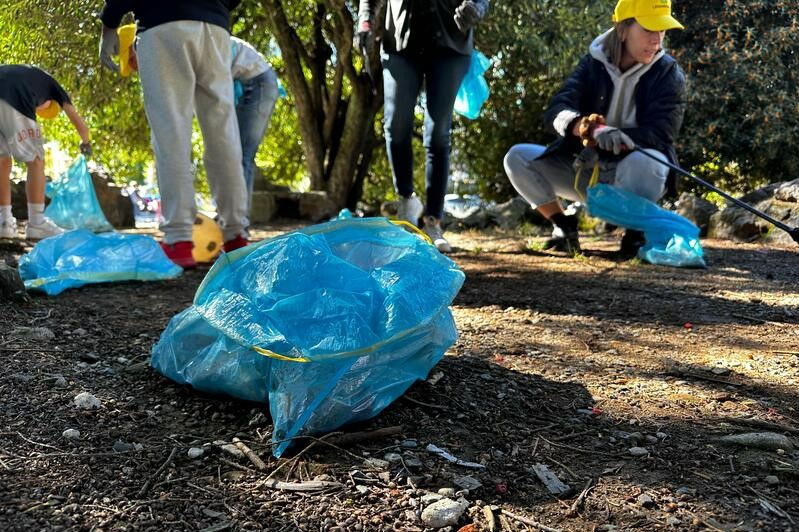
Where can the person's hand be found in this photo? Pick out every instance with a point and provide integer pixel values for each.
(109, 48)
(364, 38)
(86, 149)
(613, 139)
(467, 15)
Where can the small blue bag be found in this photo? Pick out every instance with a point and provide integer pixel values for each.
(80, 257)
(73, 202)
(473, 91)
(334, 322)
(671, 240)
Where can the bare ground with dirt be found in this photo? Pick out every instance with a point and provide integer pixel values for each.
(570, 364)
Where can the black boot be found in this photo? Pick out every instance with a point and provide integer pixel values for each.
(565, 236)
(631, 242)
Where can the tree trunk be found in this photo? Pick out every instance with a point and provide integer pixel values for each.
(335, 106)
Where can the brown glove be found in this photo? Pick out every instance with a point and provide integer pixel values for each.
(586, 128)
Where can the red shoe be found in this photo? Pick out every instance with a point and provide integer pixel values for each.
(180, 254)
(234, 244)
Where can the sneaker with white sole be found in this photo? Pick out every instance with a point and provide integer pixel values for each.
(432, 228)
(410, 209)
(45, 229)
(8, 228)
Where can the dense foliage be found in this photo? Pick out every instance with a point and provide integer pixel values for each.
(740, 58)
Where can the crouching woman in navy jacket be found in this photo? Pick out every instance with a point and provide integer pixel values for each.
(629, 79)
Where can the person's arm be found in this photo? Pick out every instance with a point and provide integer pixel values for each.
(114, 10)
(563, 112)
(80, 127)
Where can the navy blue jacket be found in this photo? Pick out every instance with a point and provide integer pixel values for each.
(151, 13)
(660, 101)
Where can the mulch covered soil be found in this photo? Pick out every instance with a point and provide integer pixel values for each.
(618, 379)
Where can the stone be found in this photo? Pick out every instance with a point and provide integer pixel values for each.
(645, 500)
(446, 492)
(769, 441)
(445, 512)
(123, 447)
(87, 401)
(33, 333)
(772, 480)
(466, 482)
(264, 207)
(71, 434)
(788, 191)
(696, 209)
(118, 208)
(195, 452)
(11, 286)
(638, 451)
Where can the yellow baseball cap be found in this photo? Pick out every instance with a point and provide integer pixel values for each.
(49, 112)
(127, 34)
(654, 15)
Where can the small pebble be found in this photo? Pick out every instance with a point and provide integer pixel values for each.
(196, 452)
(772, 480)
(638, 451)
(71, 434)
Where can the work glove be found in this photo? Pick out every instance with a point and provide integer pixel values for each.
(609, 138)
(364, 37)
(109, 48)
(467, 15)
(86, 149)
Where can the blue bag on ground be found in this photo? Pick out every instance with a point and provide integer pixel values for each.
(333, 321)
(73, 202)
(671, 240)
(80, 257)
(473, 91)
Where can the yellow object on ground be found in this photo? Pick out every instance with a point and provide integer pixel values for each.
(207, 238)
(127, 34)
(49, 112)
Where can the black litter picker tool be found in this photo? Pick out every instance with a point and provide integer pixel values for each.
(793, 231)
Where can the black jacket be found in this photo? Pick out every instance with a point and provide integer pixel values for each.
(151, 13)
(444, 33)
(660, 101)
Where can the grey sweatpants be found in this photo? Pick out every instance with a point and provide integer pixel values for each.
(184, 68)
(541, 181)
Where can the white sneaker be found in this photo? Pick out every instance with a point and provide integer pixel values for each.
(45, 229)
(432, 228)
(8, 228)
(410, 209)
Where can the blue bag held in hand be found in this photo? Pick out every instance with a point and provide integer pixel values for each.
(671, 240)
(473, 91)
(73, 202)
(80, 257)
(334, 322)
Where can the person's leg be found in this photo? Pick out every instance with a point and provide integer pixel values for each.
(253, 112)
(8, 224)
(401, 84)
(541, 182)
(5, 180)
(443, 76)
(39, 226)
(166, 56)
(644, 177)
(216, 115)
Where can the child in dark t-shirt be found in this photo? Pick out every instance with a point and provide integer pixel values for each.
(25, 93)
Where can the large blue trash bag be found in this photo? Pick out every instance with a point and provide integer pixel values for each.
(473, 91)
(192, 352)
(671, 240)
(349, 314)
(73, 202)
(80, 257)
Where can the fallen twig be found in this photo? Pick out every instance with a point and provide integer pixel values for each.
(254, 458)
(157, 474)
(576, 505)
(420, 403)
(529, 522)
(350, 438)
(311, 485)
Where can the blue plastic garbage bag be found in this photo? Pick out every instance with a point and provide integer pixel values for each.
(193, 352)
(671, 240)
(80, 257)
(349, 314)
(473, 91)
(73, 202)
